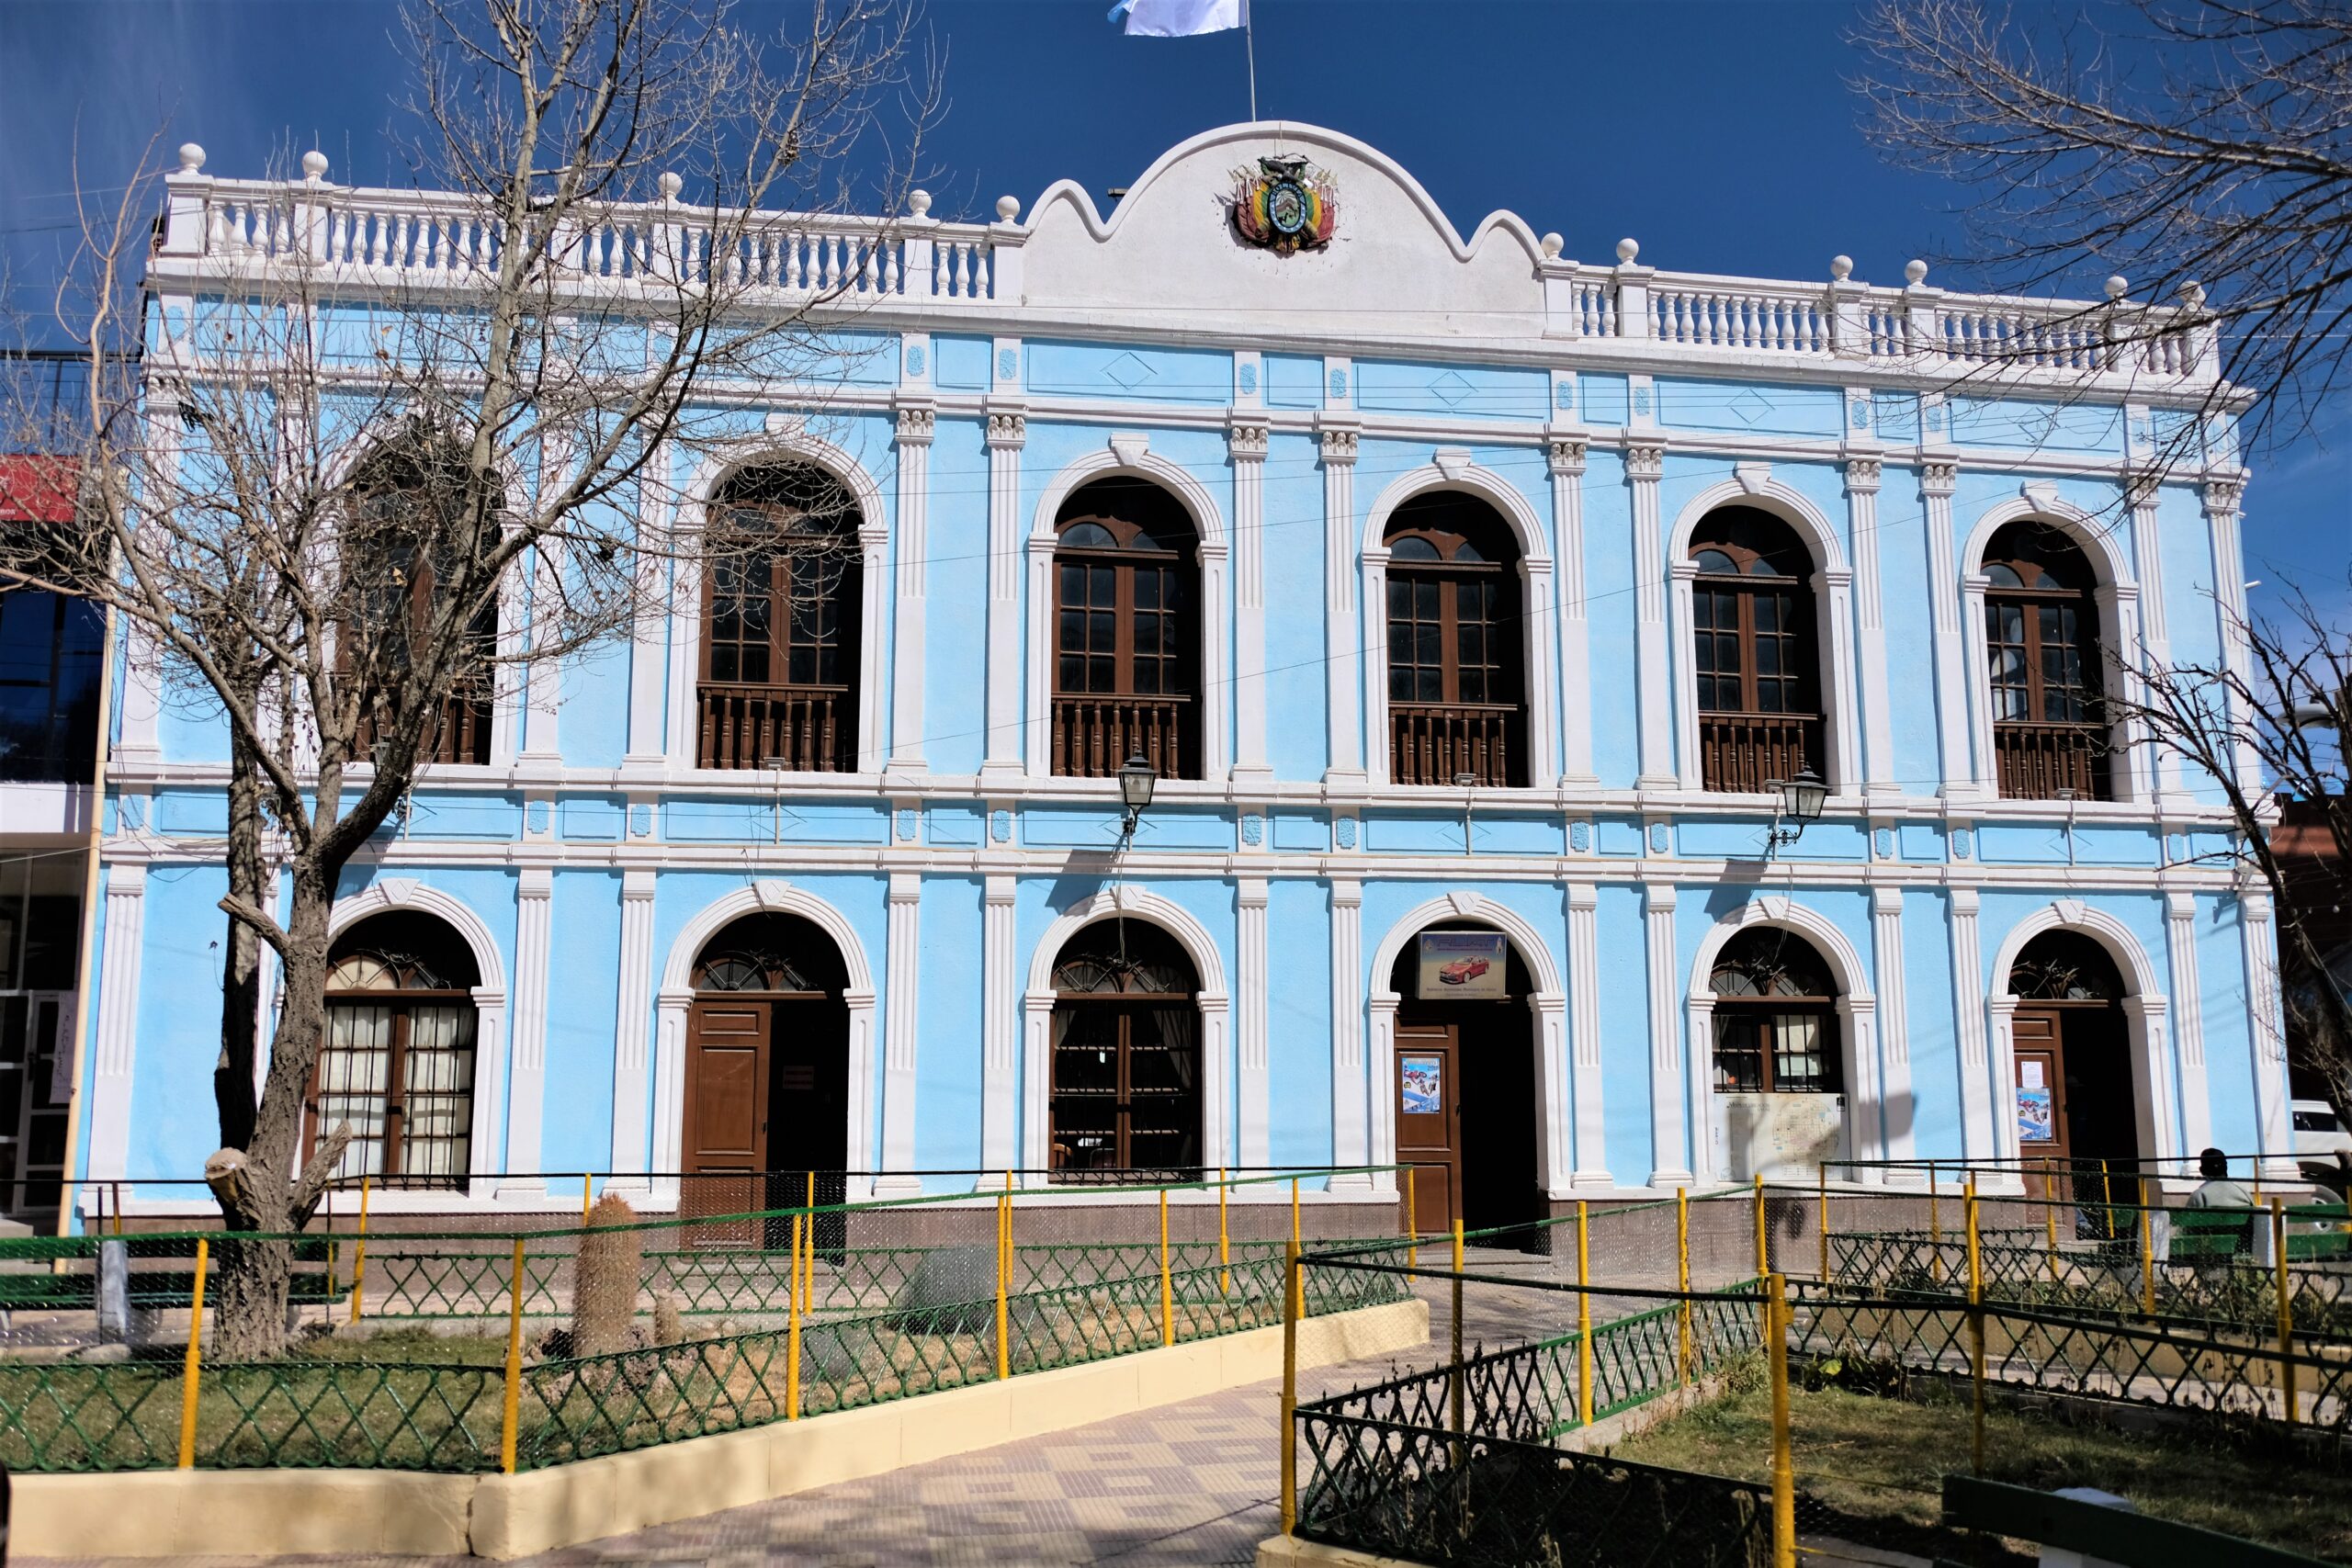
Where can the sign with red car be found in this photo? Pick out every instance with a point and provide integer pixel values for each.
(1465, 966)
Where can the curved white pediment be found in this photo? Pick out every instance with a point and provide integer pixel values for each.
(1170, 245)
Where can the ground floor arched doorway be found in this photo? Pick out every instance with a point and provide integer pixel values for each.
(1465, 1097)
(767, 1071)
(2071, 1045)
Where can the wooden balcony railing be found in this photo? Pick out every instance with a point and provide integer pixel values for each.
(462, 734)
(1094, 735)
(805, 730)
(1433, 744)
(1744, 753)
(2037, 761)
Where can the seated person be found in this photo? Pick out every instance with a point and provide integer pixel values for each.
(2217, 1190)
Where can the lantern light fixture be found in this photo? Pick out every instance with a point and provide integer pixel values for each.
(1138, 778)
(1801, 799)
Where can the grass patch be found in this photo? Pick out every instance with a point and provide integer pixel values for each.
(1872, 1465)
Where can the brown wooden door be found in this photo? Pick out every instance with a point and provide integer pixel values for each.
(1429, 1122)
(726, 1108)
(2040, 1102)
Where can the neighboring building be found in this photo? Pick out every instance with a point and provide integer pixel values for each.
(51, 649)
(818, 872)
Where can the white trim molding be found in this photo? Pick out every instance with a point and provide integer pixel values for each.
(1007, 434)
(999, 1025)
(632, 1029)
(902, 972)
(1351, 1095)
(1128, 454)
(1451, 469)
(1246, 442)
(2188, 1020)
(1253, 1105)
(2274, 1132)
(786, 440)
(1337, 439)
(1037, 1010)
(1564, 457)
(1672, 1158)
(918, 422)
(526, 1075)
(1591, 1172)
(1547, 1007)
(1898, 1102)
(677, 996)
(1857, 1021)
(1939, 478)
(1653, 661)
(1979, 1134)
(115, 1032)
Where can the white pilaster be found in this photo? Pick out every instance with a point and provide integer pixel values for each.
(1350, 1141)
(1977, 1105)
(1869, 630)
(1246, 440)
(1670, 1154)
(918, 422)
(1342, 703)
(115, 1047)
(1565, 454)
(999, 1026)
(2144, 1019)
(903, 968)
(1553, 1157)
(632, 1027)
(2188, 1020)
(1591, 1168)
(1255, 1143)
(1955, 760)
(2156, 636)
(1891, 1118)
(2274, 1135)
(1644, 463)
(527, 1077)
(2223, 494)
(1007, 431)
(543, 677)
(649, 651)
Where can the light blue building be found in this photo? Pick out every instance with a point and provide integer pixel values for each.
(1447, 584)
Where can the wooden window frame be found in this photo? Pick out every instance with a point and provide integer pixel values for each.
(1432, 742)
(401, 1002)
(2036, 756)
(1085, 737)
(1743, 750)
(810, 725)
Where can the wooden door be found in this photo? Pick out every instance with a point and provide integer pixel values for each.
(2041, 1098)
(1429, 1122)
(726, 1140)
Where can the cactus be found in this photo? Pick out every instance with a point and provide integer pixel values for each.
(606, 1278)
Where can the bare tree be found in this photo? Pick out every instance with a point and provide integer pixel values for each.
(2205, 141)
(344, 505)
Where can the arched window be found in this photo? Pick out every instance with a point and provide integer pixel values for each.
(1755, 652)
(1776, 1016)
(2041, 642)
(1126, 1057)
(408, 518)
(782, 575)
(398, 1064)
(1455, 702)
(2065, 966)
(1127, 635)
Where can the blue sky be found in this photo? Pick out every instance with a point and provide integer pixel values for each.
(1724, 136)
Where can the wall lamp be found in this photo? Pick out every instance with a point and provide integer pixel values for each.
(1801, 802)
(1138, 778)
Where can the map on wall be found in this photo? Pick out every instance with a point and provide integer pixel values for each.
(1781, 1136)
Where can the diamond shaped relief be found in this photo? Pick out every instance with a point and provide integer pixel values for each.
(1128, 371)
(1750, 408)
(1450, 390)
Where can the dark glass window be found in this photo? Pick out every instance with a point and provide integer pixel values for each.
(1126, 1057)
(1453, 643)
(50, 648)
(1776, 1019)
(2041, 645)
(398, 1063)
(1125, 666)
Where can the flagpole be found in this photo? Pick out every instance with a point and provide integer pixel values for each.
(1250, 42)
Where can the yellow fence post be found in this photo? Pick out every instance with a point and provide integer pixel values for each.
(511, 1407)
(1453, 1375)
(1682, 1282)
(1784, 1480)
(1935, 1228)
(359, 1257)
(1167, 1285)
(1224, 1238)
(792, 1328)
(1291, 1290)
(809, 1248)
(1823, 1268)
(1412, 1217)
(2050, 1231)
(194, 1370)
(1003, 1266)
(1457, 1247)
(1584, 1316)
(1297, 1279)
(2147, 1253)
(2286, 1305)
(1975, 1334)
(1763, 1252)
(586, 1177)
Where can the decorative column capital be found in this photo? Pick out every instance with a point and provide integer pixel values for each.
(1863, 475)
(1939, 478)
(1007, 430)
(906, 887)
(2223, 493)
(636, 885)
(1565, 454)
(1644, 459)
(1251, 892)
(1658, 898)
(2140, 488)
(1338, 443)
(918, 423)
(1886, 900)
(1347, 893)
(1246, 440)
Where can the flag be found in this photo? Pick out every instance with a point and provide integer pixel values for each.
(1180, 18)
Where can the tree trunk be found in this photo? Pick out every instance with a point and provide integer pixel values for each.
(232, 1076)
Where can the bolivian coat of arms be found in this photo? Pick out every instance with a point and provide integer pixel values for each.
(1286, 206)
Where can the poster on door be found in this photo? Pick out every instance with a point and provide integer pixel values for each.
(1420, 1085)
(2037, 1114)
(1464, 966)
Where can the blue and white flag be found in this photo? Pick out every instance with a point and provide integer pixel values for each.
(1180, 18)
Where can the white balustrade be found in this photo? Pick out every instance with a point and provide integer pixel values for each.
(1720, 313)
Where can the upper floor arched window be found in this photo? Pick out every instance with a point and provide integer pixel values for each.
(1775, 1015)
(2042, 643)
(1457, 699)
(782, 589)
(398, 1063)
(407, 524)
(1755, 652)
(1126, 632)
